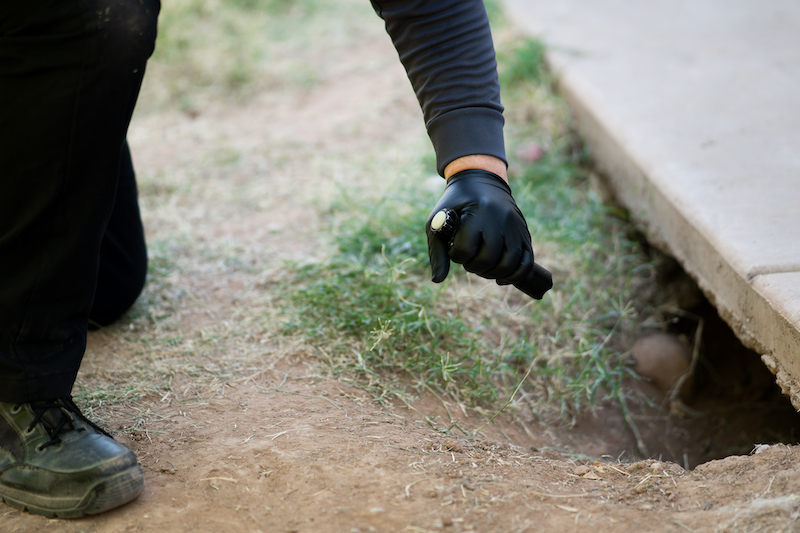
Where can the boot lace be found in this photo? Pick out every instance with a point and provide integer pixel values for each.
(60, 423)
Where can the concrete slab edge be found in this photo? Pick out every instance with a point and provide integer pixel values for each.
(758, 324)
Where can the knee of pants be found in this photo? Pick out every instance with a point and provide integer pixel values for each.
(127, 29)
(120, 281)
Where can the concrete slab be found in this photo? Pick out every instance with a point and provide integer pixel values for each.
(692, 109)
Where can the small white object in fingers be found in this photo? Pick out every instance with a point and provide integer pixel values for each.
(438, 220)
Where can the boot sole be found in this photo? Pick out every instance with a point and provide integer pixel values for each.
(106, 494)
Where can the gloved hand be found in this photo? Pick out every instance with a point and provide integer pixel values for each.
(492, 241)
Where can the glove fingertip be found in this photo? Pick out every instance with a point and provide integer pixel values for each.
(440, 261)
(440, 270)
(438, 278)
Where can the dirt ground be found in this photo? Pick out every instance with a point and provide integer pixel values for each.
(286, 453)
(277, 446)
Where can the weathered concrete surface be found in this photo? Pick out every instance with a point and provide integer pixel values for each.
(692, 109)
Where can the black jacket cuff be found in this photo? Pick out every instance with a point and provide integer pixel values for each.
(467, 131)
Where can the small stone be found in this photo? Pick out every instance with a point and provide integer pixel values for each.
(674, 469)
(452, 445)
(662, 358)
(581, 470)
(635, 467)
(760, 448)
(666, 468)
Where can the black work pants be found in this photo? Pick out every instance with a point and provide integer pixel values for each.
(71, 242)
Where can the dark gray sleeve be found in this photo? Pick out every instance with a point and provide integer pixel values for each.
(446, 48)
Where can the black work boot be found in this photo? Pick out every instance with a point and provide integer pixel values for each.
(55, 462)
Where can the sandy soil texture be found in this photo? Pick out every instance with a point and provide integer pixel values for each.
(286, 454)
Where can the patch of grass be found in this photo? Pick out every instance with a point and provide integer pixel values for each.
(371, 310)
(523, 63)
(389, 229)
(374, 315)
(380, 324)
(598, 265)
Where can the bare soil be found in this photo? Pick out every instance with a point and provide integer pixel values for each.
(284, 452)
(276, 446)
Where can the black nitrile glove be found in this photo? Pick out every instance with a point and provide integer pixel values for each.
(492, 240)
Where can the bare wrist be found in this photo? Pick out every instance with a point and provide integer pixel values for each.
(479, 161)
